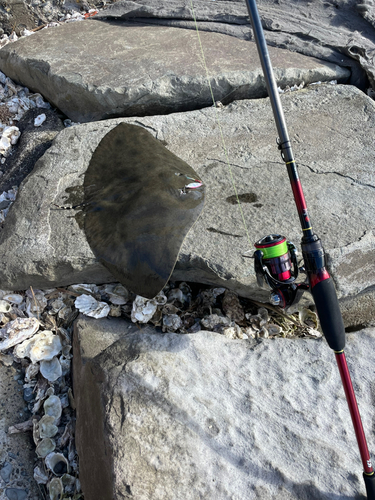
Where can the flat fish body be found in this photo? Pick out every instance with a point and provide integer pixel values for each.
(138, 207)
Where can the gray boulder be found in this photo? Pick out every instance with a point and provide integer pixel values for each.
(33, 143)
(43, 246)
(341, 32)
(123, 69)
(168, 416)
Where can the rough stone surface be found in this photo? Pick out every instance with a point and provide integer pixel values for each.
(166, 416)
(110, 69)
(33, 143)
(341, 31)
(331, 127)
(17, 450)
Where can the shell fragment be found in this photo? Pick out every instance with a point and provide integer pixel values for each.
(17, 331)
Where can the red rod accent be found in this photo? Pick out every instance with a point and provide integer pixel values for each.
(321, 275)
(354, 411)
(298, 196)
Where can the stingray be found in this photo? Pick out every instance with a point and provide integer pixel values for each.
(140, 201)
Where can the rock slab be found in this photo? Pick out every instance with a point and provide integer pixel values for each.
(110, 69)
(332, 132)
(168, 416)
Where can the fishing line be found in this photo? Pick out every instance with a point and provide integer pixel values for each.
(219, 125)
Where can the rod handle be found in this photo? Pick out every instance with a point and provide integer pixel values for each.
(370, 485)
(327, 307)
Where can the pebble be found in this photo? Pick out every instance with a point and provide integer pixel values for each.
(16, 494)
(28, 394)
(6, 471)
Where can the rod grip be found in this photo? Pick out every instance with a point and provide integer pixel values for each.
(370, 485)
(327, 307)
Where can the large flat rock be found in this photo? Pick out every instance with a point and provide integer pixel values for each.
(168, 416)
(98, 69)
(332, 131)
(339, 31)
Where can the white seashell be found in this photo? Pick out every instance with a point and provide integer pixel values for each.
(47, 427)
(51, 369)
(39, 101)
(65, 365)
(143, 309)
(5, 306)
(13, 104)
(52, 407)
(12, 133)
(57, 463)
(274, 329)
(26, 32)
(4, 145)
(307, 316)
(40, 476)
(89, 306)
(46, 446)
(69, 483)
(233, 332)
(115, 311)
(84, 288)
(39, 120)
(17, 331)
(13, 38)
(46, 348)
(55, 489)
(64, 312)
(172, 322)
(44, 345)
(118, 294)
(13, 298)
(214, 320)
(56, 305)
(31, 371)
(35, 303)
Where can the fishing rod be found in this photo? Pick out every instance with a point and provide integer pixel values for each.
(276, 261)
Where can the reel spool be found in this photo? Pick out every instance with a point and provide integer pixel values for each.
(275, 263)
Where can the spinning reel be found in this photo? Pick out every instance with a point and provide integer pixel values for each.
(275, 263)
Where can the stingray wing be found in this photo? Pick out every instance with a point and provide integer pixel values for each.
(140, 202)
